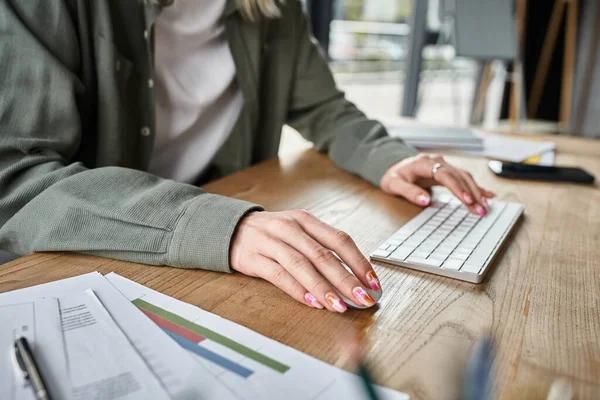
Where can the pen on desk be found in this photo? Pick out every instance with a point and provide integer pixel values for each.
(25, 363)
(354, 349)
(367, 382)
(477, 375)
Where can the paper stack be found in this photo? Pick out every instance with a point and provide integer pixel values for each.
(433, 137)
(472, 142)
(107, 337)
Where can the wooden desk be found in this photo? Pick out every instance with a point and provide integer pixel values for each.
(541, 300)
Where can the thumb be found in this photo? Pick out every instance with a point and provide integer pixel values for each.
(411, 192)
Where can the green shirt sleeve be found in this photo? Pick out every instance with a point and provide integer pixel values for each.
(50, 203)
(320, 112)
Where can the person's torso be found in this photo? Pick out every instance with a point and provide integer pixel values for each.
(117, 70)
(198, 99)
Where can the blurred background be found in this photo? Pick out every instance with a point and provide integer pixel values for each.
(505, 65)
(369, 48)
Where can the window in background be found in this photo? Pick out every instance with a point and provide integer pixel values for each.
(368, 49)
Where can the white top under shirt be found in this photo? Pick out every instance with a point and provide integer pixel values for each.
(198, 100)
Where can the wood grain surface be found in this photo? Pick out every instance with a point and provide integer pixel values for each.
(541, 300)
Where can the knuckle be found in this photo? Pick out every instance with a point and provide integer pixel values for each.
(348, 280)
(322, 255)
(319, 286)
(302, 215)
(296, 289)
(278, 277)
(364, 265)
(342, 238)
(284, 223)
(296, 262)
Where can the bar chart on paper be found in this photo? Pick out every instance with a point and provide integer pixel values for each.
(199, 340)
(249, 365)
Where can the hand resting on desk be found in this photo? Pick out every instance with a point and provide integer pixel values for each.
(410, 177)
(294, 250)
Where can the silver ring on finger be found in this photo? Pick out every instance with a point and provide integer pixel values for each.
(435, 169)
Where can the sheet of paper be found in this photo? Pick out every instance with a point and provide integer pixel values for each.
(102, 363)
(38, 320)
(250, 365)
(176, 370)
(546, 159)
(509, 149)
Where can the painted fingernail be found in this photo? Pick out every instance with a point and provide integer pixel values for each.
(335, 302)
(310, 299)
(467, 197)
(362, 296)
(373, 281)
(480, 210)
(486, 205)
(423, 199)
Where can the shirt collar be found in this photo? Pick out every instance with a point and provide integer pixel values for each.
(230, 8)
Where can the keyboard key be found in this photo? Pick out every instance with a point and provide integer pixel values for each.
(461, 251)
(472, 268)
(425, 249)
(420, 253)
(437, 256)
(468, 249)
(436, 239)
(412, 242)
(445, 248)
(425, 261)
(431, 241)
(381, 253)
(400, 253)
(459, 256)
(453, 264)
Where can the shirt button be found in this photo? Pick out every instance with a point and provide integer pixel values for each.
(146, 34)
(150, 83)
(145, 131)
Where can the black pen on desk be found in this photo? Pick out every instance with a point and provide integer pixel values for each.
(25, 364)
(477, 375)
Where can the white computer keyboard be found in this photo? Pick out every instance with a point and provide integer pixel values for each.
(446, 239)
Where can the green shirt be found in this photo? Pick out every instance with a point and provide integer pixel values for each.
(77, 128)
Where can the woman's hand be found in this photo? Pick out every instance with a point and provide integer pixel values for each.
(294, 251)
(410, 177)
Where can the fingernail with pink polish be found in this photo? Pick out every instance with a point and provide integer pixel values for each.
(486, 205)
(310, 299)
(362, 296)
(373, 281)
(423, 199)
(335, 302)
(480, 210)
(467, 198)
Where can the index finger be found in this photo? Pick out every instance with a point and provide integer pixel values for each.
(343, 245)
